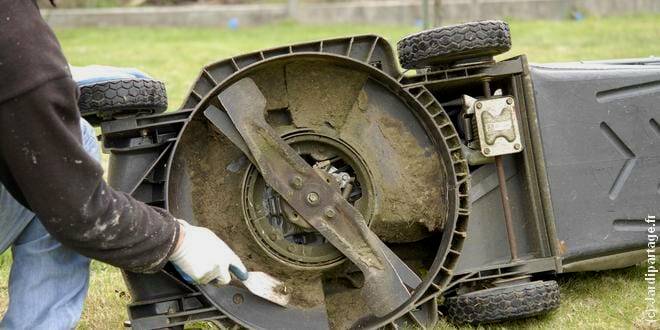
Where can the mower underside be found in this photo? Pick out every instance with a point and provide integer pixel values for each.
(325, 166)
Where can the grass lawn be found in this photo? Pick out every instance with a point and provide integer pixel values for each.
(611, 299)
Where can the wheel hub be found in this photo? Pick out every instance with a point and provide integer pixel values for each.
(278, 229)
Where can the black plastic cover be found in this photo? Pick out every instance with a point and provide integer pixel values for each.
(600, 133)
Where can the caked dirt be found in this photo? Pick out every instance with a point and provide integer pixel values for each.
(408, 176)
(273, 86)
(421, 175)
(344, 308)
(321, 95)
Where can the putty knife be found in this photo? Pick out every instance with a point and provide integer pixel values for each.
(263, 285)
(259, 283)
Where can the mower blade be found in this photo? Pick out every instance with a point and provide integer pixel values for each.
(318, 203)
(407, 275)
(223, 123)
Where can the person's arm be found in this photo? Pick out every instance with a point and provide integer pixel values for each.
(44, 165)
(40, 143)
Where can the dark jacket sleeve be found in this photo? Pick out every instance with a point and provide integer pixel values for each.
(44, 165)
(41, 145)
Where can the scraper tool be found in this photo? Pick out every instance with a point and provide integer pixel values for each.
(262, 285)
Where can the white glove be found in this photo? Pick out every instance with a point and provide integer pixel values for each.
(204, 257)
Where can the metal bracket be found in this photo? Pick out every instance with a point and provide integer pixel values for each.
(497, 124)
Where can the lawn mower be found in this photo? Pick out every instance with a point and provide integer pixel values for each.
(456, 187)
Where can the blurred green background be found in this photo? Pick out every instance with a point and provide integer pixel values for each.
(135, 3)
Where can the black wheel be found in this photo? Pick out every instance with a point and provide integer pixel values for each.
(504, 303)
(446, 45)
(120, 98)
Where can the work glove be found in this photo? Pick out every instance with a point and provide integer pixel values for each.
(204, 257)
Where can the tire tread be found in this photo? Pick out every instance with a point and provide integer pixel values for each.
(446, 44)
(516, 302)
(103, 101)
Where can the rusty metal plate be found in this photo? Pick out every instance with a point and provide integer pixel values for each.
(497, 125)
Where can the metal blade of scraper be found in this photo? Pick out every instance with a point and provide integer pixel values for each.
(223, 123)
(263, 285)
(321, 205)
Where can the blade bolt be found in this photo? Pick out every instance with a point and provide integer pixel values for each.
(313, 198)
(478, 105)
(296, 182)
(486, 151)
(238, 299)
(517, 146)
(329, 213)
(509, 100)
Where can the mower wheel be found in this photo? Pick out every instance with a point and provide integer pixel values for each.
(120, 98)
(504, 303)
(446, 45)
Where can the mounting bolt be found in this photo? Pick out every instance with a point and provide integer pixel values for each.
(516, 146)
(486, 151)
(509, 100)
(329, 213)
(313, 198)
(296, 182)
(273, 237)
(291, 248)
(238, 299)
(144, 132)
(478, 105)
